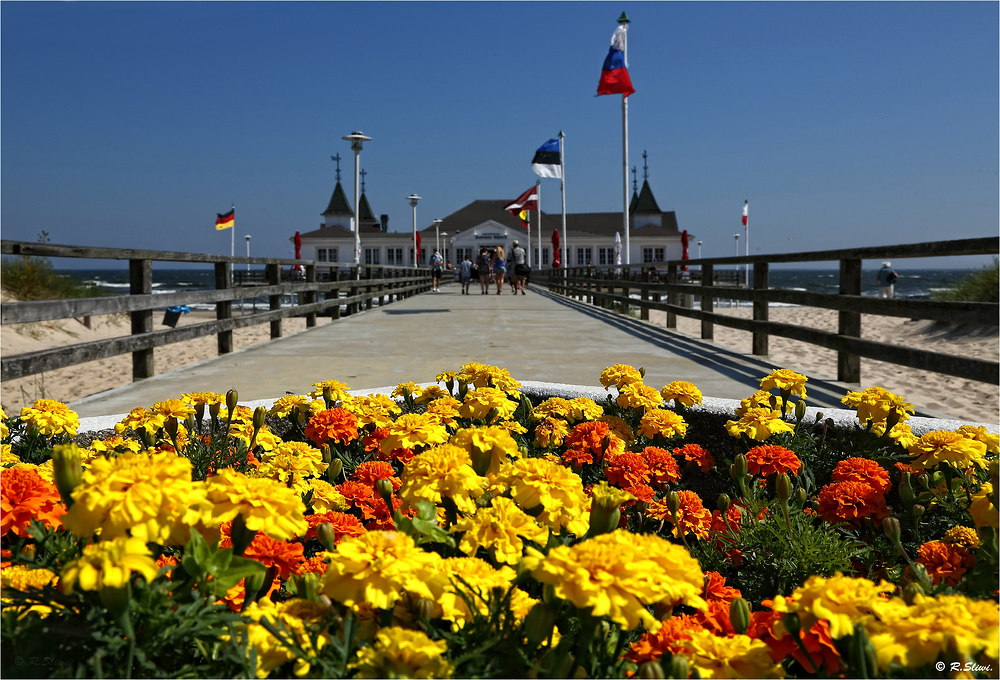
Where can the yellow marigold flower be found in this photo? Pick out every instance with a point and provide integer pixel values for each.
(553, 407)
(266, 505)
(638, 396)
(326, 498)
(761, 399)
(513, 427)
(979, 433)
(480, 401)
(414, 389)
(443, 471)
(430, 394)
(875, 403)
(412, 431)
(482, 375)
(293, 615)
(479, 577)
(963, 536)
(684, 393)
(7, 456)
(44, 470)
(733, 656)
(4, 430)
(663, 423)
(620, 375)
(758, 424)
(948, 626)
(551, 432)
(176, 408)
(559, 490)
(445, 408)
(21, 577)
(500, 529)
(109, 564)
(786, 381)
(840, 600)
(983, 512)
(141, 419)
(941, 446)
(494, 443)
(377, 567)
(283, 407)
(337, 388)
(51, 418)
(901, 433)
(582, 408)
(402, 653)
(114, 444)
(150, 496)
(610, 497)
(206, 398)
(291, 463)
(619, 574)
(445, 376)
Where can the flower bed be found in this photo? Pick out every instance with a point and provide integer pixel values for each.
(480, 528)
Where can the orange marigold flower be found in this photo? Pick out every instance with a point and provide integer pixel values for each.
(696, 454)
(716, 588)
(359, 496)
(770, 459)
(166, 561)
(373, 440)
(903, 467)
(585, 443)
(332, 425)
(851, 502)
(24, 496)
(862, 470)
(627, 469)
(663, 469)
(816, 640)
(692, 517)
(643, 493)
(314, 565)
(651, 647)
(945, 562)
(342, 523)
(284, 556)
(371, 471)
(715, 618)
(237, 594)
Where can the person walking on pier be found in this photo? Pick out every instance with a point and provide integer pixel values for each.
(483, 267)
(519, 271)
(465, 274)
(499, 268)
(436, 263)
(886, 280)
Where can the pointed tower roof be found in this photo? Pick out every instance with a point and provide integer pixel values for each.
(633, 201)
(646, 203)
(365, 214)
(338, 203)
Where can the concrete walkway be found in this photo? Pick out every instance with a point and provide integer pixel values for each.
(537, 337)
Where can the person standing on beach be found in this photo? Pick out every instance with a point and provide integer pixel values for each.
(886, 280)
(465, 274)
(483, 266)
(436, 263)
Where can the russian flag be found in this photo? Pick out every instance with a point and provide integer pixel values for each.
(614, 73)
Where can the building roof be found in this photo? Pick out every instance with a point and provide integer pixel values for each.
(338, 203)
(646, 203)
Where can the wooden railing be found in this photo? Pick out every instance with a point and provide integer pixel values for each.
(316, 288)
(611, 287)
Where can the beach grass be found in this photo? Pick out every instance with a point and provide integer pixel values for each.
(980, 286)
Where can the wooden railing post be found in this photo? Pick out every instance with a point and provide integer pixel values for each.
(224, 308)
(760, 307)
(644, 309)
(310, 295)
(625, 290)
(273, 273)
(849, 365)
(141, 283)
(335, 309)
(381, 287)
(369, 289)
(671, 296)
(707, 302)
(353, 307)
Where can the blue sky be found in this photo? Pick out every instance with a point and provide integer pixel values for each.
(844, 123)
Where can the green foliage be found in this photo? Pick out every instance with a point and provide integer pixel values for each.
(981, 286)
(33, 278)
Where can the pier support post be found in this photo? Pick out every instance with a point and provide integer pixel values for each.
(224, 308)
(849, 365)
(141, 283)
(707, 302)
(310, 295)
(273, 274)
(644, 309)
(671, 295)
(760, 307)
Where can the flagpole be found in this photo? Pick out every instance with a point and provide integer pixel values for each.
(746, 239)
(628, 250)
(538, 211)
(562, 189)
(232, 237)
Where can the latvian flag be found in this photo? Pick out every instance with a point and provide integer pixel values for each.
(746, 209)
(614, 74)
(225, 220)
(522, 204)
(547, 162)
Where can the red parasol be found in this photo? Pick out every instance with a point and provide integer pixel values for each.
(298, 246)
(417, 256)
(556, 260)
(684, 254)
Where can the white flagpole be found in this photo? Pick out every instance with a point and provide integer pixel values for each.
(529, 239)
(746, 239)
(538, 209)
(628, 249)
(232, 237)
(562, 188)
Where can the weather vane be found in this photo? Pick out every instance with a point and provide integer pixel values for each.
(635, 182)
(337, 159)
(645, 168)
(363, 173)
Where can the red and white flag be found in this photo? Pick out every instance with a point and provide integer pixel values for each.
(746, 207)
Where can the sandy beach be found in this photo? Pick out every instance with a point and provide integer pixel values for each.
(963, 399)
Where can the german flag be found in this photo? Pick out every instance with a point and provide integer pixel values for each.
(225, 220)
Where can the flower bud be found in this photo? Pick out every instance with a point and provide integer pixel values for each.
(680, 667)
(116, 601)
(800, 497)
(241, 535)
(423, 608)
(673, 502)
(891, 419)
(603, 519)
(199, 410)
(651, 669)
(324, 451)
(642, 372)
(861, 653)
(910, 591)
(258, 417)
(539, 622)
(890, 525)
(792, 624)
(800, 409)
(333, 471)
(253, 584)
(170, 427)
(384, 489)
(232, 399)
(327, 536)
(917, 511)
(738, 469)
(995, 474)
(215, 409)
(783, 487)
(906, 491)
(492, 414)
(724, 502)
(739, 615)
(67, 470)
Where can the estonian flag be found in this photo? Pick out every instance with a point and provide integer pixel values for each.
(547, 162)
(225, 221)
(614, 74)
(522, 204)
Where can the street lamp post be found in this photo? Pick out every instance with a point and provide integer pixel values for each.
(357, 139)
(413, 198)
(447, 251)
(699, 250)
(737, 239)
(248, 251)
(437, 235)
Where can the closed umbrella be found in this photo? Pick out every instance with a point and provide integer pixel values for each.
(618, 248)
(684, 253)
(556, 259)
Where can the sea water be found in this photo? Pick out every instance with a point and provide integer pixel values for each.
(912, 283)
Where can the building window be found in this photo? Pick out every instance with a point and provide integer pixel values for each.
(460, 253)
(606, 256)
(394, 256)
(372, 256)
(545, 258)
(326, 254)
(423, 256)
(650, 255)
(584, 257)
